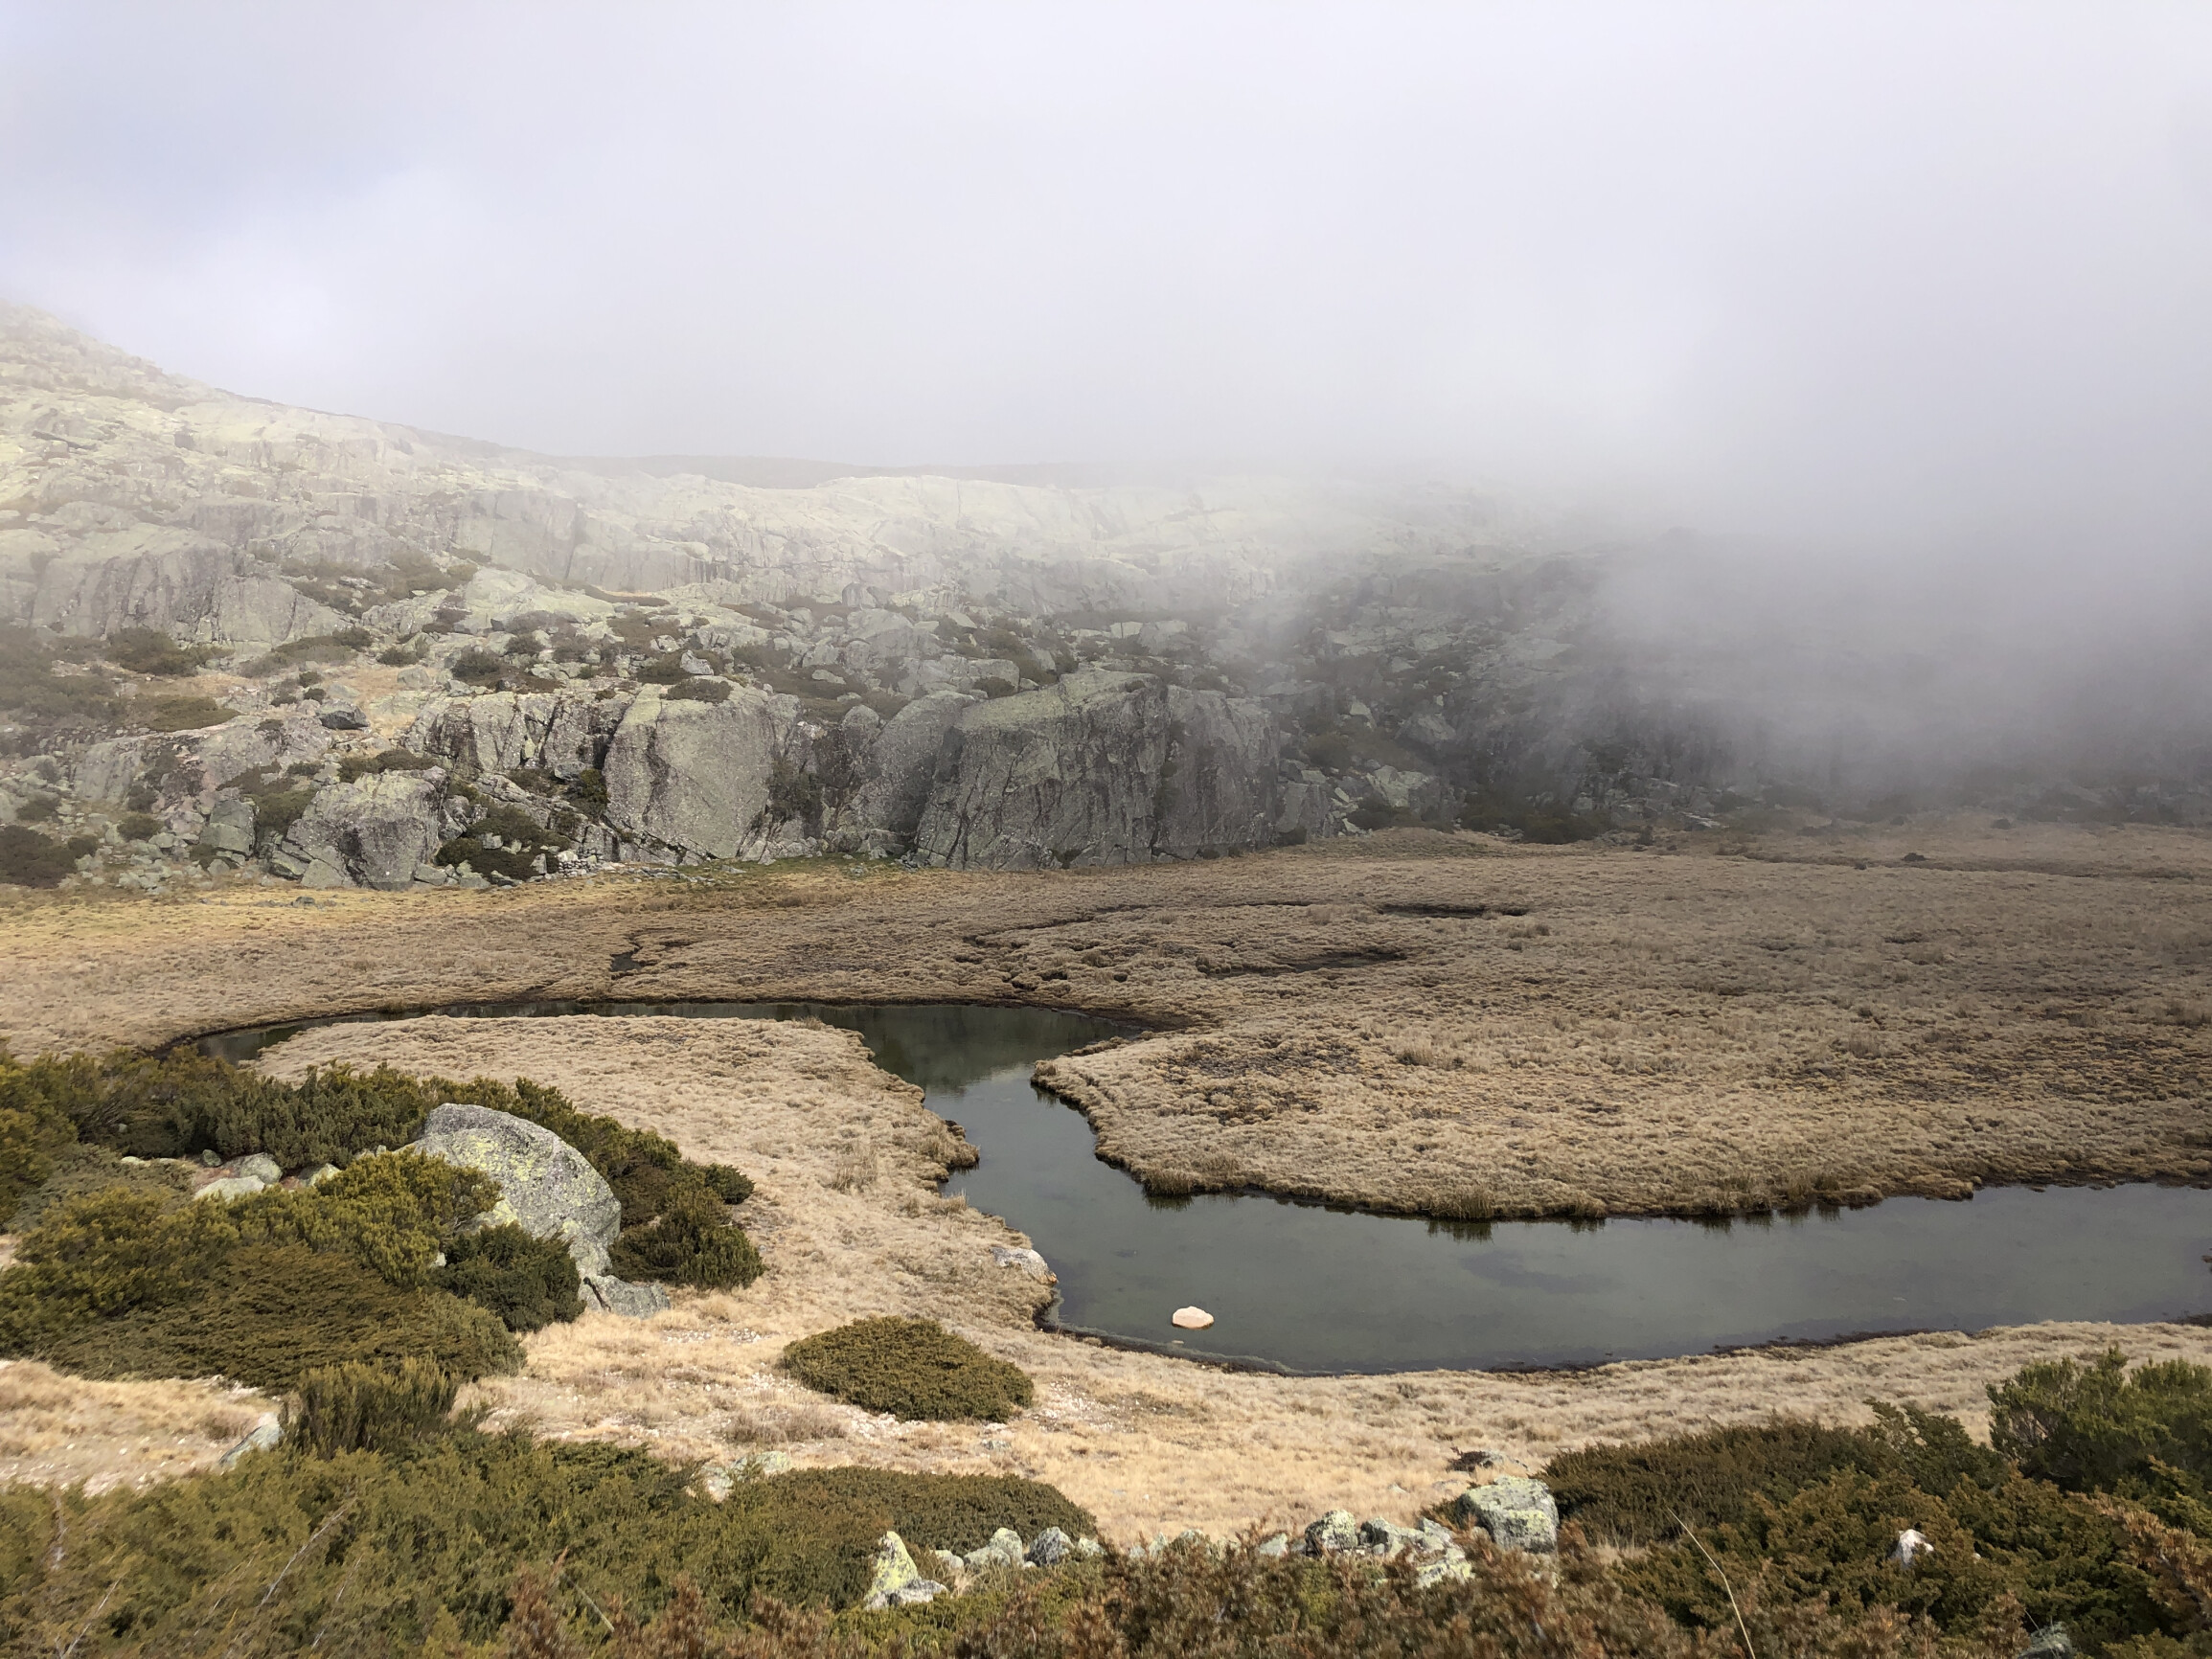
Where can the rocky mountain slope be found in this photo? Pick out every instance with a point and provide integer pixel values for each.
(348, 652)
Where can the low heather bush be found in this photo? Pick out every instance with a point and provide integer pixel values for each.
(528, 1283)
(912, 1368)
(352, 1407)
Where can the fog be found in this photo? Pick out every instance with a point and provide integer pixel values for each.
(1910, 275)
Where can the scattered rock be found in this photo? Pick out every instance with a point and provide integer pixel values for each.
(1089, 1549)
(316, 1174)
(1275, 1544)
(894, 1571)
(755, 1467)
(1333, 1533)
(612, 1295)
(232, 1187)
(1518, 1512)
(2051, 1642)
(261, 1167)
(1004, 1550)
(545, 1183)
(1028, 1260)
(264, 1435)
(1191, 1318)
(343, 719)
(1911, 1545)
(1049, 1548)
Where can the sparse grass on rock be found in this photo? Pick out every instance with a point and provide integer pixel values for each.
(911, 1367)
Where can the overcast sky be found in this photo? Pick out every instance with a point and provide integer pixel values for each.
(1944, 268)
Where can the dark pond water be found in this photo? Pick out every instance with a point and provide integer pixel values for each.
(1313, 1288)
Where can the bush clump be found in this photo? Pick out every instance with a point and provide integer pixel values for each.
(266, 1314)
(911, 1367)
(698, 688)
(74, 1170)
(132, 1281)
(477, 668)
(355, 1407)
(528, 1283)
(691, 1243)
(395, 1214)
(150, 652)
(29, 859)
(178, 714)
(353, 766)
(180, 1103)
(416, 1548)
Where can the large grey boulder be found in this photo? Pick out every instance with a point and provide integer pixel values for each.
(1101, 769)
(1518, 1512)
(692, 774)
(372, 833)
(545, 1183)
(902, 762)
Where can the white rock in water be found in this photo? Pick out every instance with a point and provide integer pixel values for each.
(1192, 1318)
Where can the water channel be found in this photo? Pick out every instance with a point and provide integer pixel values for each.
(1309, 1287)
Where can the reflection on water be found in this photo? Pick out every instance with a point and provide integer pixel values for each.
(1323, 1289)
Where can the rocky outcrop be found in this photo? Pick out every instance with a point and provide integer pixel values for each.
(693, 775)
(376, 831)
(557, 732)
(210, 593)
(901, 763)
(1101, 769)
(195, 764)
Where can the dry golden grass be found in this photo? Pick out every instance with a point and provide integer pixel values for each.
(57, 1430)
(1420, 1022)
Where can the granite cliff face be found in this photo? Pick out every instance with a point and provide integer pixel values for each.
(335, 650)
(1102, 768)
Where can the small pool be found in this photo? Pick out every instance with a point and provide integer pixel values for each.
(1309, 1287)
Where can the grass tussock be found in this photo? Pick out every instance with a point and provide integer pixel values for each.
(911, 1367)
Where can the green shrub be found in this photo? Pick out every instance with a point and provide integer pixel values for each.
(690, 1242)
(528, 1283)
(353, 1407)
(395, 1214)
(178, 714)
(2097, 1428)
(29, 859)
(912, 1368)
(353, 766)
(150, 652)
(477, 668)
(700, 690)
(36, 1133)
(39, 809)
(138, 826)
(663, 671)
(589, 790)
(368, 1552)
(1632, 1495)
(266, 1314)
(104, 1254)
(78, 1169)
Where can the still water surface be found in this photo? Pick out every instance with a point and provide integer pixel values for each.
(1314, 1288)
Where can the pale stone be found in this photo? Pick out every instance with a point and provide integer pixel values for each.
(1191, 1318)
